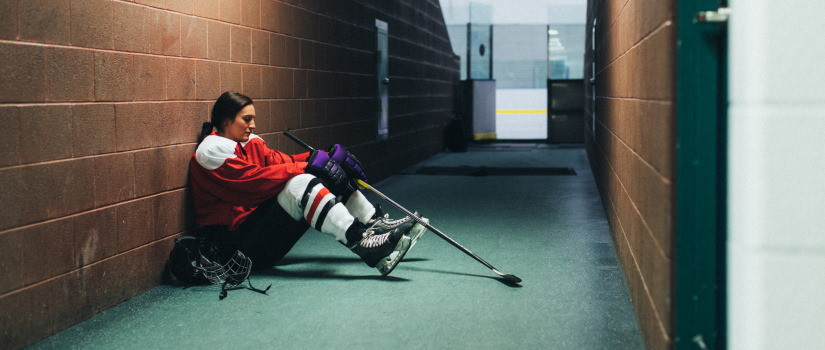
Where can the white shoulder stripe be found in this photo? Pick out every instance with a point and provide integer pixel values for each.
(214, 151)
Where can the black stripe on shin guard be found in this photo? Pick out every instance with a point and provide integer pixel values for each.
(347, 193)
(323, 214)
(308, 191)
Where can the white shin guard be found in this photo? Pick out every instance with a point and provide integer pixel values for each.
(306, 198)
(360, 207)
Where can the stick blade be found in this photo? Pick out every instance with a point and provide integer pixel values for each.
(510, 278)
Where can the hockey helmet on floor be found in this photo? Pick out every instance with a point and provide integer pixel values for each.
(194, 260)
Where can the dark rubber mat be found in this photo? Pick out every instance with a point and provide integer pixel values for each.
(492, 171)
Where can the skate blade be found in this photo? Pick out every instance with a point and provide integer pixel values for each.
(417, 231)
(386, 265)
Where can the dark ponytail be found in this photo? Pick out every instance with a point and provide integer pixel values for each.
(206, 129)
(226, 107)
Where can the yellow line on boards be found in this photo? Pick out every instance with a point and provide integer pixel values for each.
(520, 111)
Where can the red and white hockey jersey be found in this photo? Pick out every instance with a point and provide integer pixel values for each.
(230, 179)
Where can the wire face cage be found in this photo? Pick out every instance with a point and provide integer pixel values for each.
(232, 273)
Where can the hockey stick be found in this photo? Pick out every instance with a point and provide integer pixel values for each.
(510, 278)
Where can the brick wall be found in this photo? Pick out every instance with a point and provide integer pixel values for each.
(630, 142)
(101, 102)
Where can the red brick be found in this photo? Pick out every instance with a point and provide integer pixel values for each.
(285, 18)
(24, 76)
(263, 112)
(251, 13)
(231, 11)
(251, 81)
(137, 125)
(114, 178)
(52, 126)
(177, 166)
(150, 171)
(153, 3)
(299, 83)
(269, 88)
(102, 284)
(303, 23)
(208, 80)
(193, 37)
(131, 29)
(208, 8)
(149, 78)
(135, 223)
(218, 41)
(310, 114)
(95, 236)
(658, 53)
(47, 250)
(11, 261)
(307, 54)
(147, 264)
(269, 16)
(8, 20)
(26, 316)
(291, 52)
(276, 50)
(10, 119)
(44, 21)
(260, 47)
(69, 302)
(44, 191)
(181, 79)
(113, 76)
(69, 75)
(272, 140)
(285, 81)
(92, 23)
(164, 33)
(169, 211)
(321, 52)
(184, 6)
(285, 115)
(241, 50)
(162, 169)
(183, 120)
(231, 77)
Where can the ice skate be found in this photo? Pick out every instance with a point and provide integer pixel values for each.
(383, 250)
(407, 224)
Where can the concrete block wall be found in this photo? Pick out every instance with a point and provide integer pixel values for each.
(630, 123)
(101, 102)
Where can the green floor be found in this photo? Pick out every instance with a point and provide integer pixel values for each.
(548, 230)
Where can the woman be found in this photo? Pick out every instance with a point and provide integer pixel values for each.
(259, 201)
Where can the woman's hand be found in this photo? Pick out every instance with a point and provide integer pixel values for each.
(347, 160)
(330, 172)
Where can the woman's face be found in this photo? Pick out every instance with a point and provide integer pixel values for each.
(242, 126)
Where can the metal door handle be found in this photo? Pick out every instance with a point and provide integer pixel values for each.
(719, 16)
(386, 81)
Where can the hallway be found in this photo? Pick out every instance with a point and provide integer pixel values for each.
(549, 230)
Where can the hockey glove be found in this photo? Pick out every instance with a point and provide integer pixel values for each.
(351, 165)
(333, 175)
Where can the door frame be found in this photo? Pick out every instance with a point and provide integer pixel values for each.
(699, 290)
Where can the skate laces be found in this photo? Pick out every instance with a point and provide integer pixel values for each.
(384, 222)
(372, 241)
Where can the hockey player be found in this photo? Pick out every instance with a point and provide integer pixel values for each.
(261, 201)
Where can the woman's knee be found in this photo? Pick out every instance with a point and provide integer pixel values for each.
(296, 188)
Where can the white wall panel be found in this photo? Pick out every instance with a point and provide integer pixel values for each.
(776, 178)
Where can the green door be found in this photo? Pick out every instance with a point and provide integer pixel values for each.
(701, 100)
